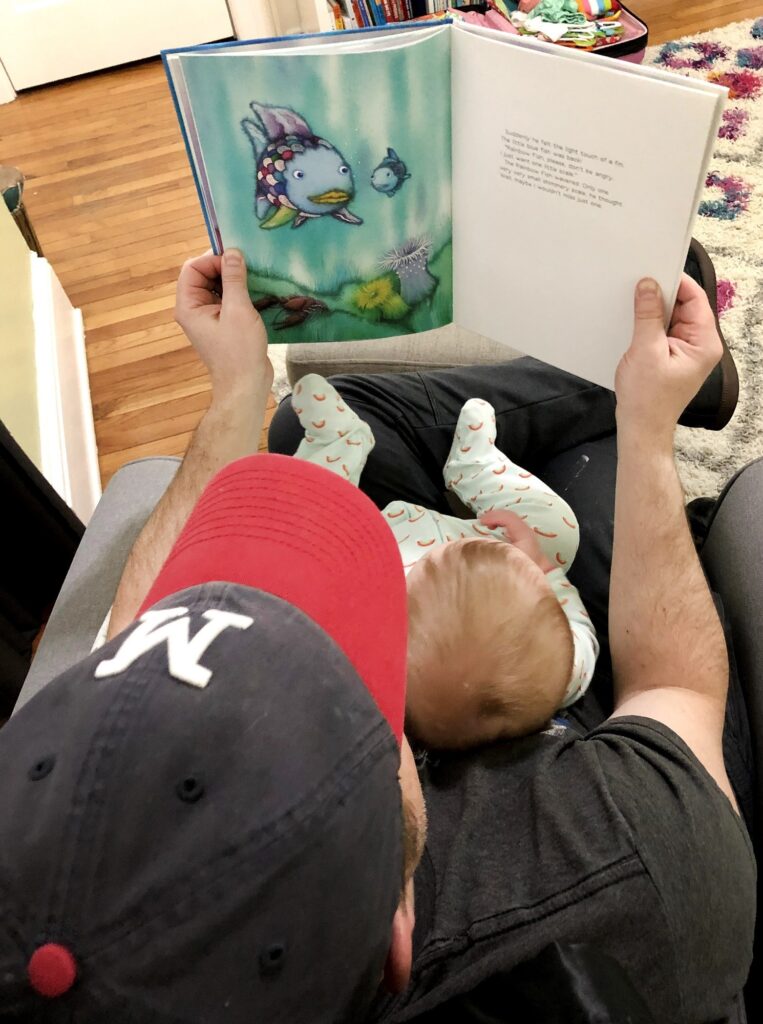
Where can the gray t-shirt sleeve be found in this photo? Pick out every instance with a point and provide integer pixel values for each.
(692, 843)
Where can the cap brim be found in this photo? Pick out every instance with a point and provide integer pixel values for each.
(300, 532)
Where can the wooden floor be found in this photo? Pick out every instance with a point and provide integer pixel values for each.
(111, 197)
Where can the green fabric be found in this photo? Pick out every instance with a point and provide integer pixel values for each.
(561, 12)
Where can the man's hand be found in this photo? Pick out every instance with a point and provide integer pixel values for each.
(660, 373)
(519, 534)
(214, 309)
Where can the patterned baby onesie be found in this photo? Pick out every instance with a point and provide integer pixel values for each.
(483, 478)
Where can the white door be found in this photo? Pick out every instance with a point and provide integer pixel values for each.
(44, 40)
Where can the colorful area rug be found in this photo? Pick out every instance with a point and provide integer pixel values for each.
(730, 226)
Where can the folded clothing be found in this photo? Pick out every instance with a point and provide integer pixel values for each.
(570, 12)
(580, 33)
(595, 9)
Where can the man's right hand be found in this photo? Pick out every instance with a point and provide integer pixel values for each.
(661, 372)
(214, 309)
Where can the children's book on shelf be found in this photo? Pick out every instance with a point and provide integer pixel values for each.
(389, 181)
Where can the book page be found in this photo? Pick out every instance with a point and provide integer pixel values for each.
(359, 40)
(572, 179)
(331, 171)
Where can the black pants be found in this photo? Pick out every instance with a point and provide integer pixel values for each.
(561, 428)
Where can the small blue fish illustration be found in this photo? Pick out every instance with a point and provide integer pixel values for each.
(389, 176)
(300, 176)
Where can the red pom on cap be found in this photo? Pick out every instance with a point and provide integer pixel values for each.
(52, 970)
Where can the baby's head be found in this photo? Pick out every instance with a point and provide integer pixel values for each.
(489, 648)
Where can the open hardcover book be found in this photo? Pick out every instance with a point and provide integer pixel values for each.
(387, 182)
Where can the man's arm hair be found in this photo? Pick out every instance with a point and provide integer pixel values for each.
(215, 312)
(668, 650)
(229, 430)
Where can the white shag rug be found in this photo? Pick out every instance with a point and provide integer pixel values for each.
(730, 226)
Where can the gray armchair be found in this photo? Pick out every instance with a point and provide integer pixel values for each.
(732, 555)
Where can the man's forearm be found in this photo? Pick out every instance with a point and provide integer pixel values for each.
(664, 630)
(229, 430)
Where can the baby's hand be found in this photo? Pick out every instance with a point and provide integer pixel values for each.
(518, 533)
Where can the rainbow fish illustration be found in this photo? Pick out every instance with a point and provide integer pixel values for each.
(390, 174)
(300, 176)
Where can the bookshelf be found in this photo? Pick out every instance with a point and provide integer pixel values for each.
(323, 16)
(255, 19)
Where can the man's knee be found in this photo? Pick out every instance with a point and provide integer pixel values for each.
(285, 431)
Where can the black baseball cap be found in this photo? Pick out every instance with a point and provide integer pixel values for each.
(201, 821)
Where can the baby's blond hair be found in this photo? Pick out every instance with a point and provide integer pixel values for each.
(490, 649)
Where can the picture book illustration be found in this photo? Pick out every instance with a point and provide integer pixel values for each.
(332, 173)
(389, 176)
(299, 175)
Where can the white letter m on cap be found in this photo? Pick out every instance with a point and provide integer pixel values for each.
(184, 652)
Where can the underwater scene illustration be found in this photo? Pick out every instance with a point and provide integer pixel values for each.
(332, 173)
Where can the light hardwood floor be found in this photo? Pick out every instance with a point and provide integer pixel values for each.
(111, 197)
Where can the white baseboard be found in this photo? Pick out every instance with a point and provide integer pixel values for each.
(69, 455)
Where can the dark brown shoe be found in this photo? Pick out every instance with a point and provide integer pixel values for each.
(714, 404)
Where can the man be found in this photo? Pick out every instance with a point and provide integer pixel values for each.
(623, 842)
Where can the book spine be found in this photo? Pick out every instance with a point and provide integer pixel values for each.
(357, 15)
(378, 13)
(366, 12)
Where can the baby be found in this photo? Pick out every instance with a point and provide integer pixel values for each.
(498, 637)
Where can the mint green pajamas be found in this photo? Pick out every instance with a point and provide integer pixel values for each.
(484, 479)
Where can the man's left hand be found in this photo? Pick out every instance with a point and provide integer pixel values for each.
(214, 309)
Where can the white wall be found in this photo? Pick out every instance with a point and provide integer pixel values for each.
(18, 381)
(44, 390)
(7, 92)
(255, 19)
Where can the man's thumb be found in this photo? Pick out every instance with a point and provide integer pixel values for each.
(649, 319)
(234, 278)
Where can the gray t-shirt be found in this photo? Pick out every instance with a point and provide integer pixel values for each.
(618, 839)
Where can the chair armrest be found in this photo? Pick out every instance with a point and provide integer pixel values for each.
(88, 590)
(430, 350)
(733, 558)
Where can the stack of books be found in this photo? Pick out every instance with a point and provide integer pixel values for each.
(372, 13)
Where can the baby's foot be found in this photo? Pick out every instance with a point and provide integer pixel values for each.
(325, 415)
(473, 442)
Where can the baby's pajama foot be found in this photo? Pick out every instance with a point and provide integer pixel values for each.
(485, 480)
(335, 436)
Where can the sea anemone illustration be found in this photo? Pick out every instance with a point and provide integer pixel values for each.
(379, 296)
(411, 264)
